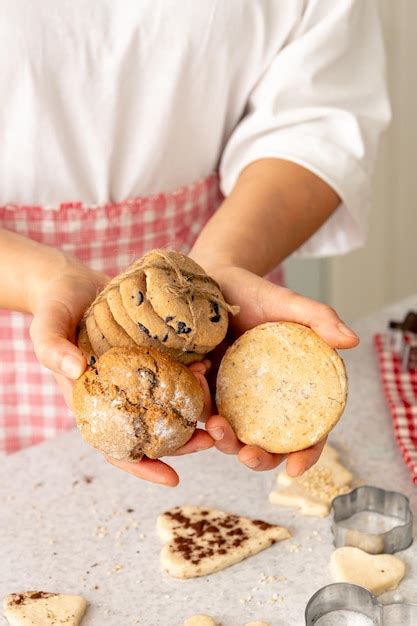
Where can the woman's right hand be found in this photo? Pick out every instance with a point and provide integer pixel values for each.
(58, 300)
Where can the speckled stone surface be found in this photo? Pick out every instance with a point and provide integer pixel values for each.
(71, 523)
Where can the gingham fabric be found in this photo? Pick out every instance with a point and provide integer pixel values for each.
(107, 238)
(400, 389)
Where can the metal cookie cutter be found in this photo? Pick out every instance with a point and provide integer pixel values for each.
(355, 599)
(374, 499)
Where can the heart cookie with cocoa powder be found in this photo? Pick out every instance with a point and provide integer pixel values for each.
(40, 608)
(202, 541)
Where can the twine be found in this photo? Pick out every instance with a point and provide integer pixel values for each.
(185, 287)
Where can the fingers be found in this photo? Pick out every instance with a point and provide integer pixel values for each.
(262, 301)
(225, 439)
(66, 386)
(147, 469)
(320, 317)
(49, 331)
(300, 462)
(207, 396)
(199, 441)
(200, 366)
(259, 460)
(324, 320)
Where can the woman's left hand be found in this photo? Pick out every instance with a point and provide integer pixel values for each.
(262, 301)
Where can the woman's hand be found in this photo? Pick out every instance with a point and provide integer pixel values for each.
(262, 301)
(58, 300)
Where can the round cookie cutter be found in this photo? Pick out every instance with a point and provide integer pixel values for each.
(349, 597)
(373, 499)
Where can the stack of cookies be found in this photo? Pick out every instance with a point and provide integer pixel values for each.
(163, 301)
(137, 397)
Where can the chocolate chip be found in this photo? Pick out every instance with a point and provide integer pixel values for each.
(182, 328)
(169, 318)
(92, 361)
(165, 338)
(216, 317)
(139, 298)
(130, 510)
(144, 329)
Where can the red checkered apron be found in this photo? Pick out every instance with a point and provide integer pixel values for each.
(107, 238)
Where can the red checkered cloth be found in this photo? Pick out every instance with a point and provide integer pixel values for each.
(400, 389)
(107, 238)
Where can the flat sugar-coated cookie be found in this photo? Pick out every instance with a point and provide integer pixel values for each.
(281, 387)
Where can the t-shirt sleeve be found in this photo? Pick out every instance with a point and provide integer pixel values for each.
(321, 103)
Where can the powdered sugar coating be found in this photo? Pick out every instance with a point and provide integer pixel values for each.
(137, 401)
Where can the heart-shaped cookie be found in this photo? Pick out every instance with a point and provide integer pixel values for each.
(39, 608)
(202, 541)
(376, 572)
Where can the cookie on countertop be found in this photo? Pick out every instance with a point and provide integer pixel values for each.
(137, 401)
(40, 608)
(200, 620)
(376, 572)
(281, 387)
(202, 541)
(314, 491)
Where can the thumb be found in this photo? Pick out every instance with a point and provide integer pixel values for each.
(51, 330)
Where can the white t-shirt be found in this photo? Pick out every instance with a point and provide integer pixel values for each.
(103, 100)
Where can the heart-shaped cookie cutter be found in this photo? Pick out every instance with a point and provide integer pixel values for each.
(373, 499)
(348, 597)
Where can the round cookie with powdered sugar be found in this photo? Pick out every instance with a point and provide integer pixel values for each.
(137, 401)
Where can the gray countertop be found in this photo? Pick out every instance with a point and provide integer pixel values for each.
(65, 525)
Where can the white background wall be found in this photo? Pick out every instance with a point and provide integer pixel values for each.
(386, 269)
